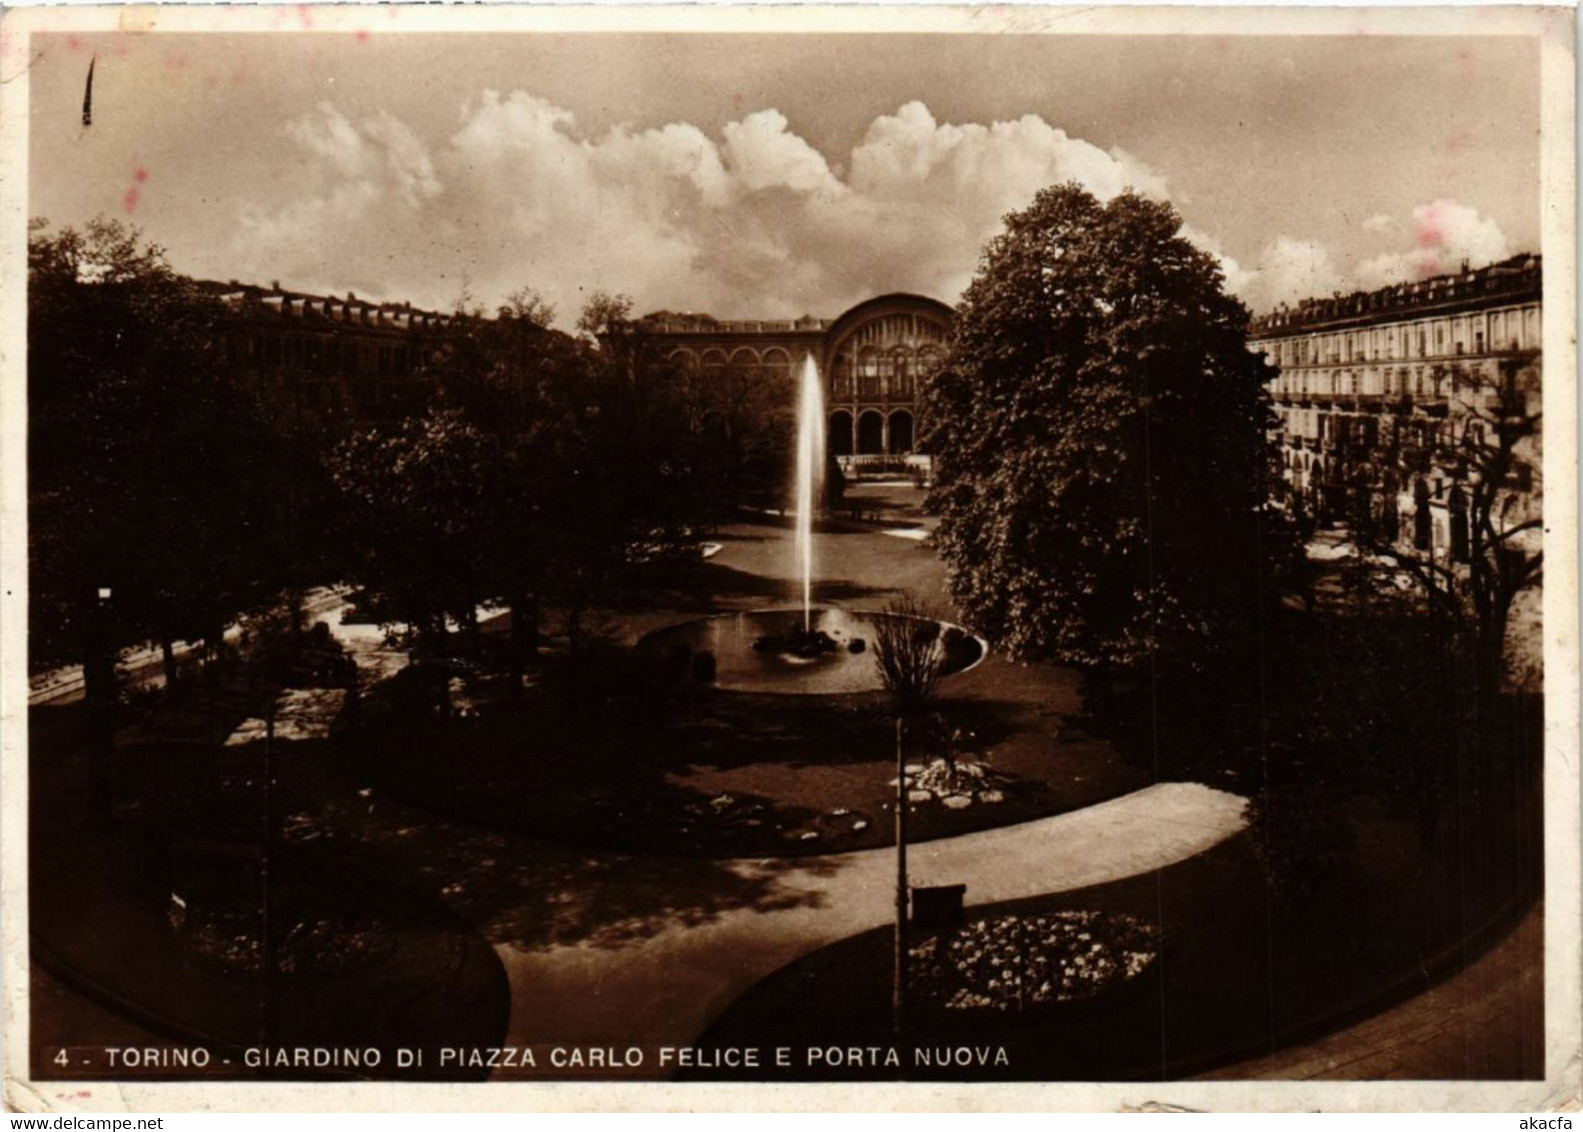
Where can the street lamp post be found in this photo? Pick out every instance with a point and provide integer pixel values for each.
(99, 691)
(899, 976)
(270, 958)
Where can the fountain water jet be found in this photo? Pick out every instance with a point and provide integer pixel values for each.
(813, 651)
(810, 474)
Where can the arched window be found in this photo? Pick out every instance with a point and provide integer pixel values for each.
(744, 360)
(842, 385)
(839, 436)
(871, 434)
(901, 439)
(713, 360)
(777, 362)
(901, 381)
(870, 371)
(886, 354)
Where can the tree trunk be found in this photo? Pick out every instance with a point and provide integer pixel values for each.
(1101, 700)
(474, 632)
(1491, 661)
(214, 646)
(524, 638)
(167, 650)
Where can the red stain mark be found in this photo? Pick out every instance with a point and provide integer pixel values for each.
(175, 61)
(361, 35)
(1459, 142)
(133, 193)
(74, 43)
(1430, 234)
(305, 15)
(736, 99)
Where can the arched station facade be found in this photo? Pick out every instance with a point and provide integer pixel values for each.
(873, 359)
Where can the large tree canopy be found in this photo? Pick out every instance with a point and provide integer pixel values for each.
(1100, 438)
(149, 472)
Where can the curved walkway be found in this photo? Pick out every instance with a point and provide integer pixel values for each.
(666, 988)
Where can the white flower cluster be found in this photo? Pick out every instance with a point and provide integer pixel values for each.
(1012, 962)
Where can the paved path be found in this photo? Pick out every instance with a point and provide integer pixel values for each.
(665, 989)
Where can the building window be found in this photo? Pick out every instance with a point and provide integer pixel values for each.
(901, 381)
(870, 371)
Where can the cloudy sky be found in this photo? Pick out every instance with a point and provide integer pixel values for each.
(762, 175)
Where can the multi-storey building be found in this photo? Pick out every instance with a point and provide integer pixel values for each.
(321, 356)
(1388, 394)
(872, 360)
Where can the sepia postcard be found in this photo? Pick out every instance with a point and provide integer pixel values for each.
(855, 556)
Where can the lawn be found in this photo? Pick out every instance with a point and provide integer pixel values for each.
(599, 754)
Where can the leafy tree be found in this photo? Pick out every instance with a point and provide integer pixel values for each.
(522, 384)
(1483, 458)
(150, 473)
(641, 444)
(742, 431)
(1099, 433)
(421, 494)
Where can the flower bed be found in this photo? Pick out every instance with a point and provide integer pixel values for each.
(954, 783)
(1011, 963)
(232, 942)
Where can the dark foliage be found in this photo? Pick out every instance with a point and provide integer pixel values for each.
(1099, 434)
(150, 473)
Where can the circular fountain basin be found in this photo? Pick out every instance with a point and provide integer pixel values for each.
(757, 651)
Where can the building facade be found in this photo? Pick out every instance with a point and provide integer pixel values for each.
(1388, 396)
(322, 357)
(872, 362)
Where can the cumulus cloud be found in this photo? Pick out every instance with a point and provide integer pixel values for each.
(381, 148)
(1239, 280)
(754, 221)
(1445, 234)
(1287, 270)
